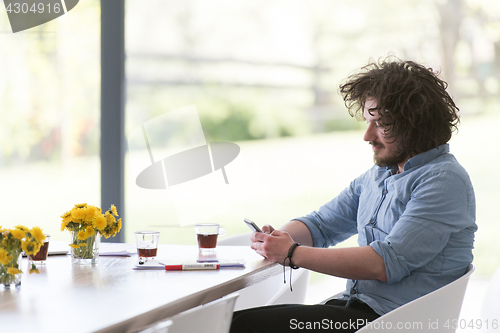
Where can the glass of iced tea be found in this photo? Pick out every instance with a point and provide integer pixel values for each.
(41, 256)
(207, 234)
(147, 244)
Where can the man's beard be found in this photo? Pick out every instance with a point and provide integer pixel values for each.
(388, 160)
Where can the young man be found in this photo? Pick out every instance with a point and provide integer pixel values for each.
(413, 211)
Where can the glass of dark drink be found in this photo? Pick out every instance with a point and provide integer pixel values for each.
(147, 244)
(207, 234)
(41, 256)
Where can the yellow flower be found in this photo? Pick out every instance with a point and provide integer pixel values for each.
(4, 257)
(90, 219)
(111, 219)
(66, 217)
(36, 248)
(13, 271)
(30, 247)
(100, 222)
(90, 213)
(22, 227)
(113, 210)
(77, 214)
(19, 234)
(82, 205)
(38, 234)
(27, 246)
(34, 270)
(75, 246)
(82, 235)
(89, 232)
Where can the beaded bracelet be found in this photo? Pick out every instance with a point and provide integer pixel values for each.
(289, 257)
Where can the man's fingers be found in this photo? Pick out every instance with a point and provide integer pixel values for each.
(258, 236)
(271, 244)
(258, 245)
(267, 229)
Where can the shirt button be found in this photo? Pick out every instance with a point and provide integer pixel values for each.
(384, 192)
(372, 221)
(353, 291)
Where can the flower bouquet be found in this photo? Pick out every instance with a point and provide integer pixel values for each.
(86, 223)
(12, 243)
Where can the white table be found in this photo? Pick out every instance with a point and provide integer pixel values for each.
(112, 297)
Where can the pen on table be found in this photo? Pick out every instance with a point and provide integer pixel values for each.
(192, 267)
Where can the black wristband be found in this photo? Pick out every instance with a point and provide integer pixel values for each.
(290, 253)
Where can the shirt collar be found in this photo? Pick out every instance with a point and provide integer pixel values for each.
(426, 157)
(421, 159)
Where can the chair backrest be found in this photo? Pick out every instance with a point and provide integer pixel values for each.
(437, 311)
(213, 317)
(300, 282)
(159, 327)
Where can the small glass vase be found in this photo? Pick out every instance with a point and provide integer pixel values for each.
(85, 252)
(11, 280)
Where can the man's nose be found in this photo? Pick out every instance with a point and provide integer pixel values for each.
(370, 134)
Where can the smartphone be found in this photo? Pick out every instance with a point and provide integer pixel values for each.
(252, 225)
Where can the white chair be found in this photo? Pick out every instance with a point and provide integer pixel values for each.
(213, 317)
(272, 290)
(300, 282)
(437, 311)
(160, 327)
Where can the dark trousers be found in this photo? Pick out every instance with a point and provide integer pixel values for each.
(333, 316)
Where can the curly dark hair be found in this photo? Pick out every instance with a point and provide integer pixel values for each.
(417, 113)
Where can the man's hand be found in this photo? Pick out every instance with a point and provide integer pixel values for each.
(267, 229)
(359, 263)
(271, 244)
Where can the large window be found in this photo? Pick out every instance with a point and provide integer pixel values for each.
(49, 118)
(264, 75)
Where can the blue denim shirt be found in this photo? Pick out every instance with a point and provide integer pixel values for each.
(421, 221)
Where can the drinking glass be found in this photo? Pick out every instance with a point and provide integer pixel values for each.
(207, 234)
(147, 244)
